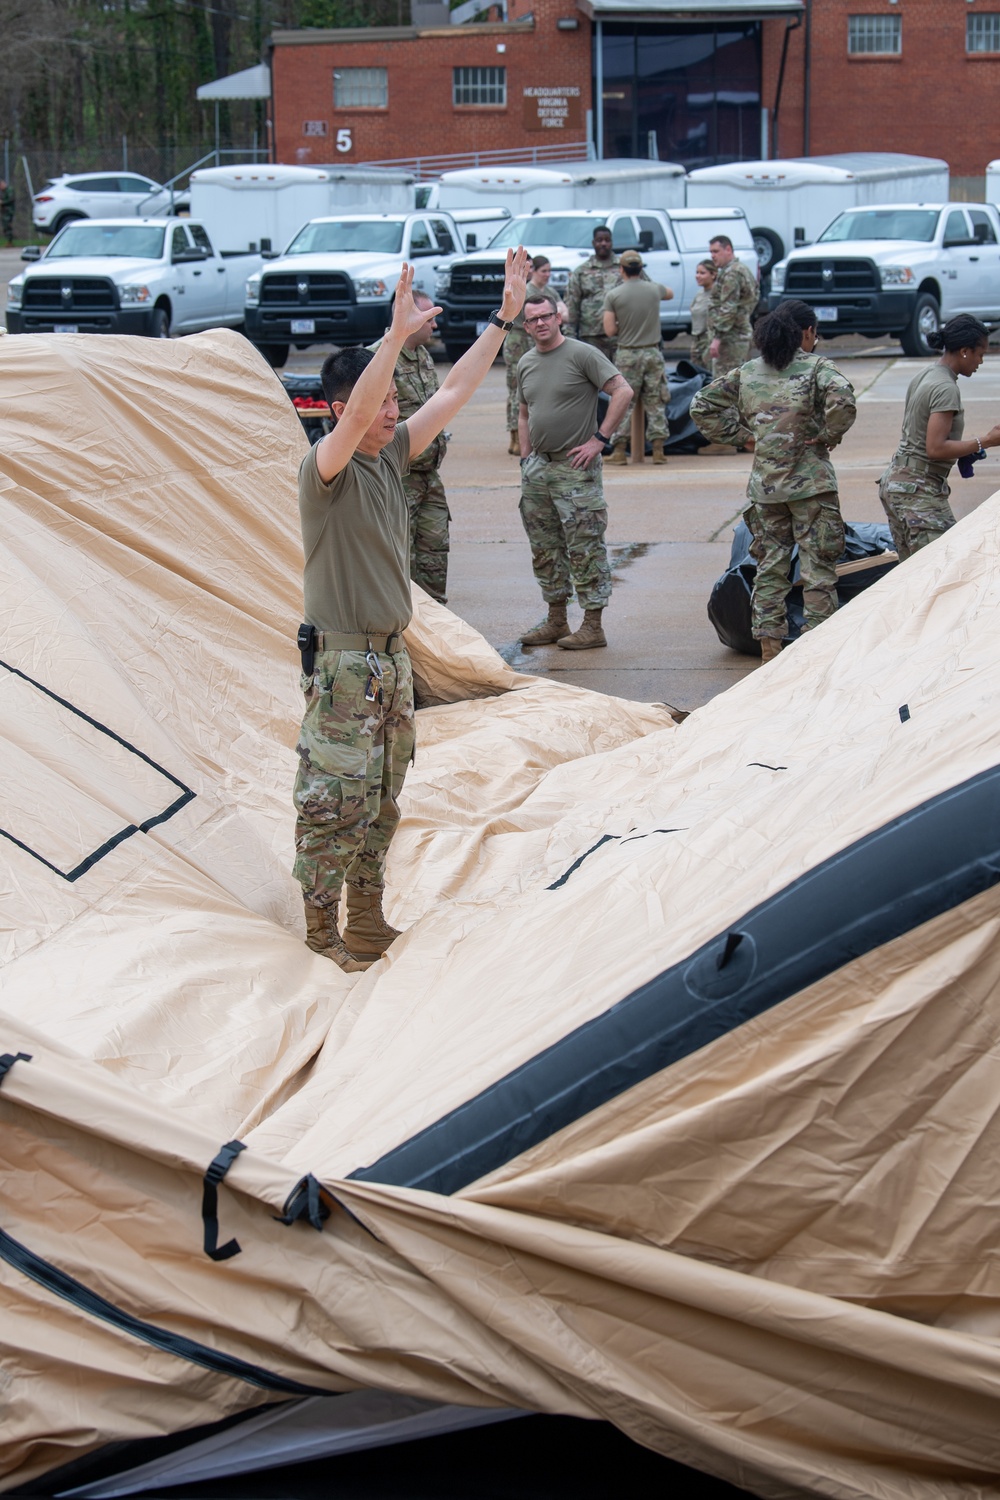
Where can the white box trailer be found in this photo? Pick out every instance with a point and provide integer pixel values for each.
(624, 183)
(262, 207)
(790, 202)
(993, 182)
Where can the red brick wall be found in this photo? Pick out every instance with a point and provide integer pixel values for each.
(420, 118)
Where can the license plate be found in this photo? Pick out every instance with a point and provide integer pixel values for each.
(826, 314)
(303, 325)
(65, 328)
(481, 328)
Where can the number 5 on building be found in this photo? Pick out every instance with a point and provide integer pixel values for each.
(344, 142)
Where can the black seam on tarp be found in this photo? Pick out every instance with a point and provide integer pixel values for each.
(891, 882)
(61, 1284)
(649, 834)
(608, 837)
(8, 1059)
(217, 1170)
(764, 766)
(127, 832)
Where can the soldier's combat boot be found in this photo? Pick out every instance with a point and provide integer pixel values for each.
(589, 634)
(550, 629)
(514, 446)
(367, 934)
(617, 454)
(659, 457)
(770, 647)
(323, 936)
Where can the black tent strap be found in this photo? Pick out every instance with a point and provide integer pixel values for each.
(305, 1201)
(210, 1202)
(62, 1285)
(8, 1059)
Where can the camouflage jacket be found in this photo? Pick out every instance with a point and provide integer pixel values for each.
(416, 382)
(794, 416)
(585, 293)
(733, 299)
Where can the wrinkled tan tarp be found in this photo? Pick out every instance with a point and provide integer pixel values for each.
(776, 1260)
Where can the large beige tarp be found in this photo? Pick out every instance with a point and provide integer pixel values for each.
(775, 1258)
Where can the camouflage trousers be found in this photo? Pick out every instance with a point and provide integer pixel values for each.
(734, 350)
(916, 507)
(699, 351)
(429, 518)
(644, 370)
(515, 344)
(601, 341)
(817, 526)
(353, 757)
(565, 518)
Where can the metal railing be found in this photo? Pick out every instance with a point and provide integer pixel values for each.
(433, 166)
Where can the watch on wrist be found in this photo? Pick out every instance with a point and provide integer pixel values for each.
(599, 434)
(496, 319)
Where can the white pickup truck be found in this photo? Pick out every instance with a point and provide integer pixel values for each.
(144, 276)
(898, 269)
(672, 242)
(335, 281)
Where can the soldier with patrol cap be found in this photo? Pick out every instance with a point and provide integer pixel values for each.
(733, 299)
(632, 316)
(586, 290)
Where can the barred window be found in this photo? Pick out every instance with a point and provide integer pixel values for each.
(361, 88)
(479, 86)
(982, 31)
(878, 34)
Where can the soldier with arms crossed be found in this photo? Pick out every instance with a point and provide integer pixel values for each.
(733, 299)
(586, 290)
(357, 732)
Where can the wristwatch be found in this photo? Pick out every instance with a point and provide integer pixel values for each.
(600, 434)
(495, 318)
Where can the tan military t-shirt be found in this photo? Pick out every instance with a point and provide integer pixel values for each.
(560, 390)
(636, 305)
(356, 539)
(934, 389)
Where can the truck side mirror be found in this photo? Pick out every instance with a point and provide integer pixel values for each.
(31, 252)
(470, 242)
(265, 245)
(646, 240)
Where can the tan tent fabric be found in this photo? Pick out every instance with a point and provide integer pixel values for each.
(774, 1258)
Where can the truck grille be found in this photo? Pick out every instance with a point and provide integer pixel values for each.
(480, 282)
(67, 294)
(808, 278)
(285, 289)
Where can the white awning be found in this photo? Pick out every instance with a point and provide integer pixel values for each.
(687, 10)
(252, 83)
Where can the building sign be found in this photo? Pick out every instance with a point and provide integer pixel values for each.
(553, 109)
(314, 127)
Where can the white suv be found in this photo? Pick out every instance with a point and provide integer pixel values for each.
(101, 195)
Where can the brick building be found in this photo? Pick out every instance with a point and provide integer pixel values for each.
(696, 82)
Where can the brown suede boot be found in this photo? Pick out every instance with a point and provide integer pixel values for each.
(323, 936)
(770, 647)
(514, 446)
(367, 934)
(659, 457)
(617, 454)
(550, 629)
(589, 634)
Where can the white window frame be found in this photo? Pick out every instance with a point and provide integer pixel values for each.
(874, 35)
(979, 36)
(479, 86)
(361, 88)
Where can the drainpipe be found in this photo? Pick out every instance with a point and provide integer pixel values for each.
(599, 86)
(807, 81)
(790, 26)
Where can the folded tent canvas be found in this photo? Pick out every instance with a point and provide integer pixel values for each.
(675, 1105)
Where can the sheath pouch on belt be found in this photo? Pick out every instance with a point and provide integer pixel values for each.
(306, 642)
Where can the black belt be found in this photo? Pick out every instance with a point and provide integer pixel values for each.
(312, 642)
(556, 457)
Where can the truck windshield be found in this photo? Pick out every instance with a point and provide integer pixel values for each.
(134, 241)
(883, 224)
(379, 235)
(546, 229)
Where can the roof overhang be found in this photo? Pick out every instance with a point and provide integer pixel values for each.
(688, 10)
(252, 83)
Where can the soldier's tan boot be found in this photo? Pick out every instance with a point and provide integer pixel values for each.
(514, 446)
(589, 635)
(550, 629)
(770, 647)
(367, 934)
(659, 457)
(323, 936)
(617, 454)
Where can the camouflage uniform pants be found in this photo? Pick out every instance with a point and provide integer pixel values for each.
(565, 518)
(699, 351)
(601, 341)
(818, 528)
(645, 373)
(515, 344)
(429, 518)
(353, 756)
(734, 349)
(916, 507)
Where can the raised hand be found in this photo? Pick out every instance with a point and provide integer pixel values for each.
(515, 282)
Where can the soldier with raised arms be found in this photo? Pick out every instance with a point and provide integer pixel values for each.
(357, 733)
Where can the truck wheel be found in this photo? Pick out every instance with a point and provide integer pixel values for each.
(925, 321)
(159, 326)
(769, 249)
(275, 354)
